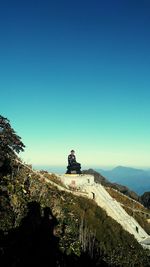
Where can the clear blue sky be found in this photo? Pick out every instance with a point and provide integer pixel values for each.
(76, 75)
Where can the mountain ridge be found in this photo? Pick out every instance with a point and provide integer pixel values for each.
(137, 180)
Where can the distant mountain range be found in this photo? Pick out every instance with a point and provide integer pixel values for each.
(137, 180)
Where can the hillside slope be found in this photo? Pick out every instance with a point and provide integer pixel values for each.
(41, 222)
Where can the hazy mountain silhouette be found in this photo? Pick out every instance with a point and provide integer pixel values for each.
(136, 179)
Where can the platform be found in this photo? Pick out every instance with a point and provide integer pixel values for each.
(76, 181)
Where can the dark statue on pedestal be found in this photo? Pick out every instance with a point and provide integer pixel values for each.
(73, 166)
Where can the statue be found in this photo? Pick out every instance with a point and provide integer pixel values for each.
(73, 166)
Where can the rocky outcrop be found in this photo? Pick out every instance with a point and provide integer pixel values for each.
(145, 199)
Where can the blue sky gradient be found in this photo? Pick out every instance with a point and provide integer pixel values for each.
(76, 74)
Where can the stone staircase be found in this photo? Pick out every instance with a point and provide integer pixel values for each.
(97, 192)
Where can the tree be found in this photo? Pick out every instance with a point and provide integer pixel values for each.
(10, 142)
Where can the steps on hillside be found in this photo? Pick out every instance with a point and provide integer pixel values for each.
(115, 210)
(85, 183)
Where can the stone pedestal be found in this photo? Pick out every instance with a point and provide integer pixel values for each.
(76, 181)
(74, 168)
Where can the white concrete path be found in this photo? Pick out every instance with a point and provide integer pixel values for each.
(85, 183)
(115, 210)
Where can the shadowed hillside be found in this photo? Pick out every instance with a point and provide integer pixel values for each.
(38, 220)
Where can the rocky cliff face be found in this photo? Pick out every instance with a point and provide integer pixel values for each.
(145, 199)
(42, 226)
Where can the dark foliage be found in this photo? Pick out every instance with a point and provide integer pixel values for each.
(34, 243)
(145, 199)
(10, 145)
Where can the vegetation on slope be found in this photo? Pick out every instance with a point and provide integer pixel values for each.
(145, 199)
(42, 226)
(80, 226)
